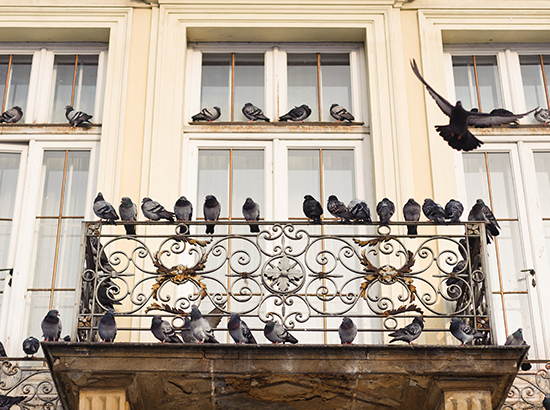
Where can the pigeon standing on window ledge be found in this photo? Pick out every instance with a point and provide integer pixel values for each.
(340, 114)
(541, 115)
(207, 114)
(12, 115)
(297, 114)
(77, 118)
(253, 113)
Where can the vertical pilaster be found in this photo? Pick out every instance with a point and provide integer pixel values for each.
(103, 400)
(467, 400)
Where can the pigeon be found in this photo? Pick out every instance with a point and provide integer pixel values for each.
(516, 339)
(481, 212)
(541, 115)
(411, 211)
(253, 113)
(338, 209)
(546, 402)
(107, 326)
(163, 331)
(186, 334)
(456, 133)
(31, 346)
(67, 339)
(453, 211)
(251, 212)
(128, 213)
(312, 209)
(12, 115)
(410, 332)
(6, 402)
(201, 328)
(460, 269)
(432, 211)
(347, 331)
(77, 118)
(104, 210)
(2, 350)
(463, 332)
(239, 331)
(359, 210)
(385, 209)
(339, 113)
(211, 210)
(155, 211)
(207, 114)
(183, 209)
(276, 333)
(297, 114)
(51, 326)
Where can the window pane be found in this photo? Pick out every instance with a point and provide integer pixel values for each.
(248, 179)
(215, 83)
(542, 167)
(338, 175)
(18, 83)
(335, 83)
(249, 83)
(303, 179)
(86, 84)
(533, 83)
(45, 244)
(76, 184)
(39, 304)
(66, 275)
(465, 83)
(475, 174)
(52, 171)
(9, 171)
(302, 82)
(502, 185)
(213, 179)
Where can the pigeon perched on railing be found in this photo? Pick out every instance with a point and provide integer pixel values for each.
(77, 118)
(31, 346)
(239, 330)
(411, 212)
(338, 209)
(297, 114)
(207, 114)
(251, 213)
(339, 113)
(385, 210)
(276, 333)
(312, 209)
(163, 331)
(453, 211)
(154, 211)
(107, 326)
(516, 339)
(128, 213)
(434, 212)
(183, 209)
(201, 328)
(463, 332)
(542, 115)
(253, 113)
(211, 210)
(51, 326)
(12, 115)
(104, 210)
(482, 213)
(347, 331)
(359, 210)
(410, 332)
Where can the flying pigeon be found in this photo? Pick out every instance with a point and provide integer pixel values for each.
(155, 211)
(7, 402)
(481, 212)
(456, 133)
(77, 118)
(107, 326)
(201, 328)
(12, 115)
(31, 346)
(516, 339)
(297, 114)
(453, 211)
(410, 332)
(339, 113)
(51, 326)
(251, 212)
(186, 334)
(211, 210)
(385, 209)
(463, 332)
(104, 210)
(347, 331)
(546, 402)
(276, 333)
(253, 113)
(338, 209)
(183, 209)
(541, 115)
(207, 114)
(312, 209)
(163, 331)
(432, 211)
(2, 350)
(359, 210)
(128, 213)
(239, 331)
(411, 211)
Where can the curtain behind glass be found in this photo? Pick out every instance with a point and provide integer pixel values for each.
(302, 83)
(335, 83)
(249, 83)
(215, 83)
(18, 83)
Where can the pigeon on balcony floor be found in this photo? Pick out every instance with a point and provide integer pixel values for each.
(11, 116)
(201, 328)
(128, 213)
(211, 209)
(482, 213)
(253, 113)
(347, 331)
(77, 118)
(339, 113)
(107, 326)
(359, 210)
(104, 210)
(434, 212)
(516, 339)
(31, 346)
(186, 334)
(51, 326)
(183, 209)
(297, 114)
(463, 332)
(338, 209)
(411, 212)
(542, 115)
(453, 211)
(312, 209)
(154, 211)
(251, 213)
(239, 330)
(276, 333)
(385, 210)
(410, 332)
(163, 331)
(207, 114)
(6, 402)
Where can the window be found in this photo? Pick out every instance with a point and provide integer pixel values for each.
(534, 70)
(15, 74)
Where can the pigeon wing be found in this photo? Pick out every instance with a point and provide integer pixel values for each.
(442, 103)
(480, 119)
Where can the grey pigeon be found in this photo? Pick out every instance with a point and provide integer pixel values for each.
(432, 211)
(463, 332)
(11, 116)
(297, 114)
(163, 331)
(67, 339)
(410, 332)
(186, 334)
(211, 209)
(516, 339)
(347, 331)
(339, 113)
(207, 114)
(2, 350)
(253, 113)
(107, 326)
(276, 333)
(201, 328)
(312, 209)
(128, 213)
(155, 211)
(251, 213)
(6, 402)
(183, 209)
(104, 210)
(338, 209)
(359, 210)
(385, 209)
(51, 326)
(453, 211)
(456, 133)
(482, 213)
(31, 346)
(411, 212)
(77, 118)
(546, 402)
(542, 115)
(239, 331)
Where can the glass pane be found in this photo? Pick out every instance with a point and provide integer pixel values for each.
(9, 171)
(338, 175)
(335, 83)
(303, 179)
(39, 304)
(533, 84)
(518, 314)
(542, 168)
(475, 174)
(215, 83)
(86, 83)
(5, 231)
(213, 179)
(18, 88)
(465, 83)
(248, 179)
(76, 184)
(52, 174)
(546, 225)
(45, 239)
(302, 83)
(502, 185)
(4, 62)
(511, 258)
(66, 275)
(249, 83)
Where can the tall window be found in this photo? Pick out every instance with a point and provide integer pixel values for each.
(535, 74)
(15, 73)
(542, 169)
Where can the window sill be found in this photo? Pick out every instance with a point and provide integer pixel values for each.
(278, 127)
(41, 129)
(519, 130)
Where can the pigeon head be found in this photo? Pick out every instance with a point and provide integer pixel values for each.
(411, 201)
(217, 109)
(183, 199)
(480, 202)
(428, 201)
(146, 199)
(269, 326)
(69, 108)
(195, 313)
(53, 313)
(210, 200)
(234, 321)
(308, 197)
(332, 198)
(455, 320)
(186, 323)
(156, 320)
(347, 323)
(334, 105)
(420, 320)
(459, 104)
(99, 197)
(126, 202)
(519, 332)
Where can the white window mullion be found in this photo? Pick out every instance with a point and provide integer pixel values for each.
(280, 66)
(504, 74)
(515, 83)
(100, 88)
(44, 98)
(270, 81)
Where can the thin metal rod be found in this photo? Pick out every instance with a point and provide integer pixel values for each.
(544, 81)
(477, 86)
(7, 82)
(319, 85)
(74, 79)
(232, 87)
(229, 230)
(321, 199)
